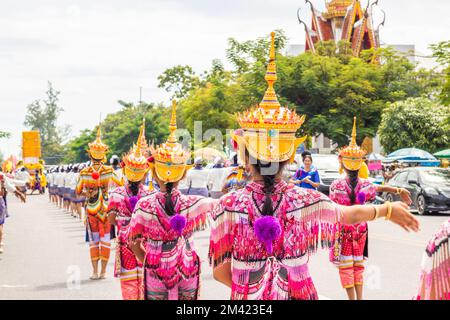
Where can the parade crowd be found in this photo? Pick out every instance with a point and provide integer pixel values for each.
(263, 229)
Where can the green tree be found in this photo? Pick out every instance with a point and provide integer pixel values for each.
(4, 134)
(43, 116)
(120, 130)
(178, 80)
(441, 52)
(415, 122)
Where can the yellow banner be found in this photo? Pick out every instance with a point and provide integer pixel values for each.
(31, 144)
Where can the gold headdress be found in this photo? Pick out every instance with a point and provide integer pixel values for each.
(142, 142)
(352, 155)
(97, 149)
(269, 129)
(135, 162)
(169, 159)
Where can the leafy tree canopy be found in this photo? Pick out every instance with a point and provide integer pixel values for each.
(120, 130)
(415, 122)
(43, 116)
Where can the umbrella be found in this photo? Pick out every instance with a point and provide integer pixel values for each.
(375, 157)
(445, 154)
(413, 155)
(209, 154)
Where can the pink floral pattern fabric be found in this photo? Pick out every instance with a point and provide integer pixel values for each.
(307, 218)
(126, 267)
(435, 274)
(170, 259)
(354, 237)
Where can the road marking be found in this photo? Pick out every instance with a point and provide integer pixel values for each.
(13, 286)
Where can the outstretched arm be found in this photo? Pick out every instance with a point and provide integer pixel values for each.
(404, 194)
(398, 211)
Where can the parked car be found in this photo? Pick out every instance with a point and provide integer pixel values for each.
(328, 167)
(429, 187)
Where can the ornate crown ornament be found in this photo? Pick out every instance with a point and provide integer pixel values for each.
(135, 162)
(352, 155)
(337, 8)
(269, 129)
(169, 159)
(142, 141)
(97, 149)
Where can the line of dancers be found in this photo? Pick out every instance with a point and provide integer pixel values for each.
(262, 233)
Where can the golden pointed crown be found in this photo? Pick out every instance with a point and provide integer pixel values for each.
(352, 155)
(170, 157)
(135, 163)
(269, 128)
(97, 149)
(142, 141)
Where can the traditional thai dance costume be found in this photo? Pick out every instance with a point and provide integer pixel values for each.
(354, 237)
(171, 264)
(95, 183)
(122, 201)
(435, 274)
(269, 253)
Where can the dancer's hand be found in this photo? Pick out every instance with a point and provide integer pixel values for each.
(403, 217)
(405, 195)
(112, 218)
(137, 247)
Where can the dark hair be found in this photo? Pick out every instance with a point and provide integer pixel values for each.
(134, 187)
(169, 205)
(305, 153)
(269, 182)
(353, 179)
(308, 156)
(235, 160)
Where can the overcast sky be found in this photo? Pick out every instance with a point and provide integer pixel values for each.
(99, 51)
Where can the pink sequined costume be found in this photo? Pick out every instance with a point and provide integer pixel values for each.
(307, 218)
(127, 268)
(172, 266)
(435, 274)
(354, 237)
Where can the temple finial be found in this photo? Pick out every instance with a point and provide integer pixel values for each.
(353, 142)
(270, 100)
(173, 123)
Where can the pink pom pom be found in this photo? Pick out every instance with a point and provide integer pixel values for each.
(178, 223)
(133, 202)
(361, 198)
(267, 230)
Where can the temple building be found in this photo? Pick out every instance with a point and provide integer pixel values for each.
(343, 20)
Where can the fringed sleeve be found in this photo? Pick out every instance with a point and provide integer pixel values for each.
(136, 228)
(221, 238)
(80, 185)
(115, 181)
(198, 214)
(434, 281)
(321, 221)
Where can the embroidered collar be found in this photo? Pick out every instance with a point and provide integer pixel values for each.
(257, 187)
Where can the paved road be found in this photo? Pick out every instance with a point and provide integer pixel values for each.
(46, 258)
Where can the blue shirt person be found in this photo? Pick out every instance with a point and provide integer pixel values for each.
(307, 176)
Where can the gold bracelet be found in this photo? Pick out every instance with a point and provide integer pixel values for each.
(376, 213)
(389, 212)
(377, 210)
